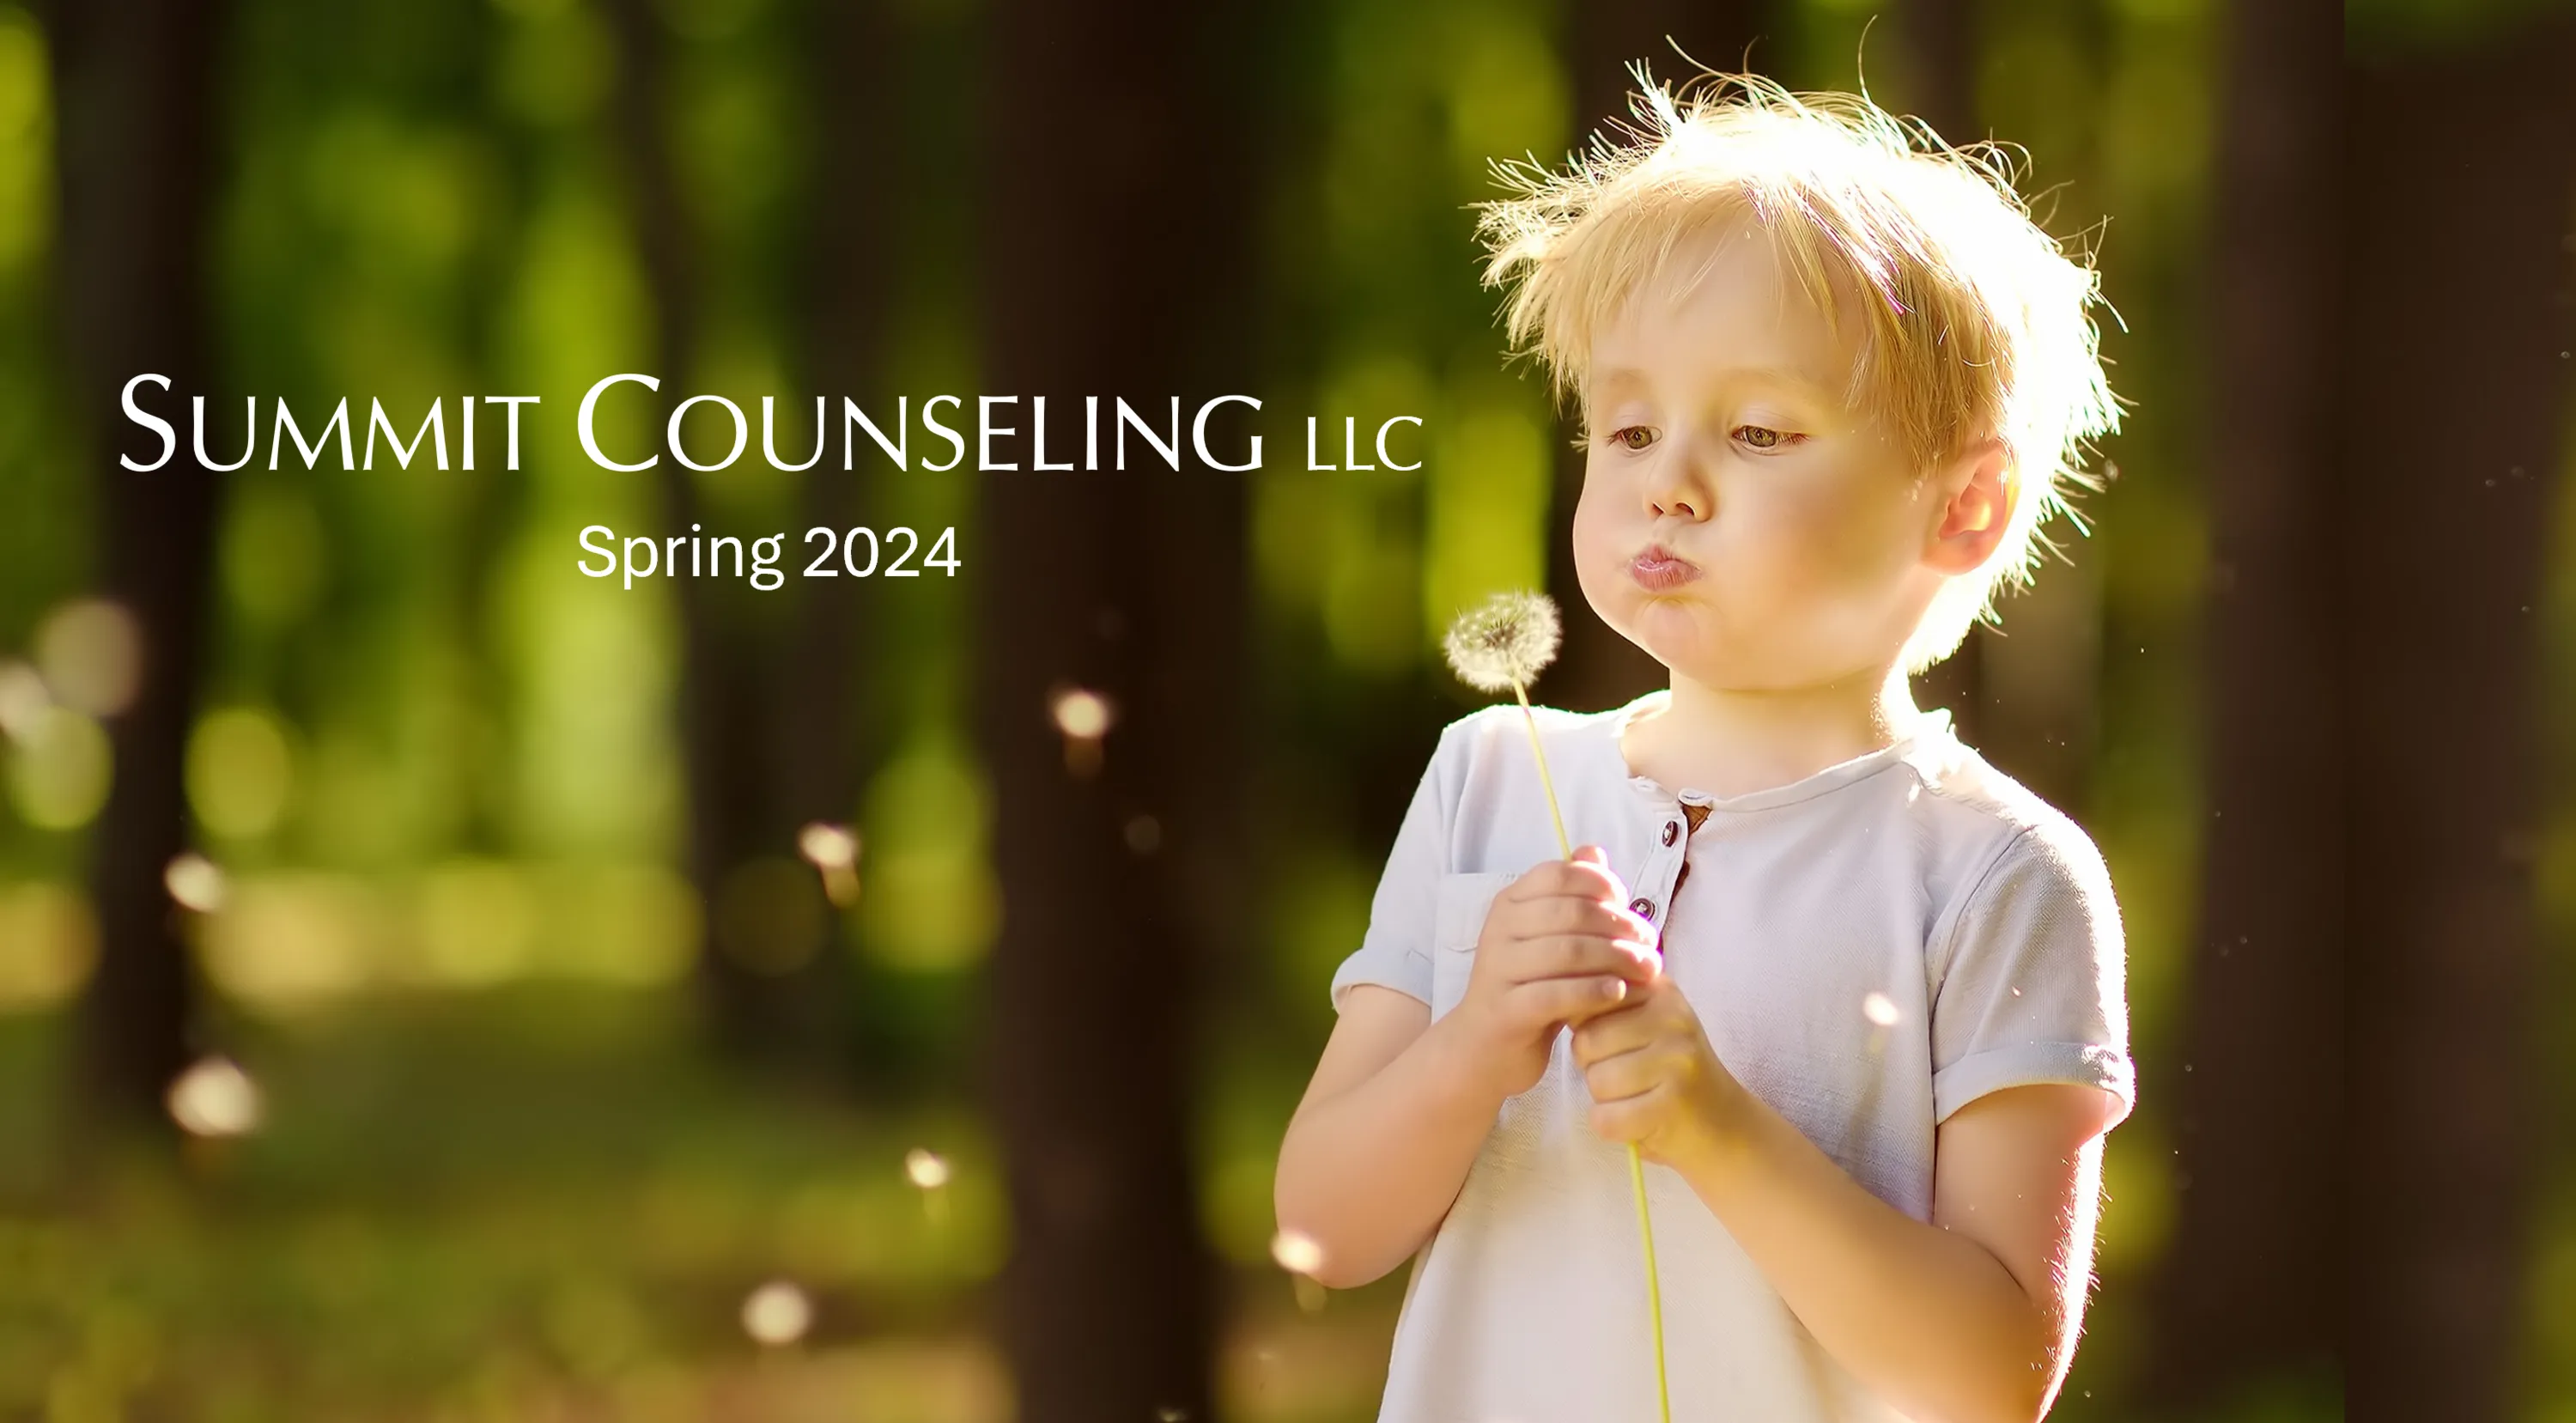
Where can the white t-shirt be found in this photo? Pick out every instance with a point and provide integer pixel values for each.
(1915, 883)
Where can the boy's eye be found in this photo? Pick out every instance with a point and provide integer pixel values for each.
(1761, 437)
(1635, 437)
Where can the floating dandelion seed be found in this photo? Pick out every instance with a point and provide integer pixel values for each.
(214, 1098)
(928, 1171)
(1504, 645)
(1084, 716)
(827, 846)
(1879, 1009)
(925, 1168)
(1297, 1252)
(1501, 646)
(195, 882)
(777, 1314)
(834, 850)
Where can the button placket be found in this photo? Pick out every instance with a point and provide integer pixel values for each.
(1663, 865)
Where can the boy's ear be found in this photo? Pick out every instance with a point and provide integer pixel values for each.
(1979, 492)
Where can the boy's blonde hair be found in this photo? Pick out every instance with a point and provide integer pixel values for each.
(1979, 325)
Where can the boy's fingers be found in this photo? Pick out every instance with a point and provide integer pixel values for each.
(1565, 914)
(1613, 1034)
(1587, 879)
(1578, 955)
(1556, 1000)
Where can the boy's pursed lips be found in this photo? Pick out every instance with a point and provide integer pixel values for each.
(1659, 567)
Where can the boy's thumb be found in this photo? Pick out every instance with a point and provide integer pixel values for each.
(1592, 854)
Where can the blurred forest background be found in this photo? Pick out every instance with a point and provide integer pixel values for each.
(436, 985)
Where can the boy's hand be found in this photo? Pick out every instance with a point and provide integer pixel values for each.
(1655, 1079)
(1559, 946)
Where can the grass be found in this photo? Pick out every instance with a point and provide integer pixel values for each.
(542, 1203)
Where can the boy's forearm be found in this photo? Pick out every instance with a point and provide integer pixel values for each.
(1367, 1174)
(1930, 1320)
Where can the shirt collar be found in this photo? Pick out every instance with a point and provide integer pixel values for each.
(1928, 745)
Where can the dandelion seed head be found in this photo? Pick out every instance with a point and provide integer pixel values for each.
(778, 1313)
(1506, 642)
(1879, 1009)
(925, 1168)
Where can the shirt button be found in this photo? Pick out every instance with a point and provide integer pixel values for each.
(1642, 907)
(1672, 831)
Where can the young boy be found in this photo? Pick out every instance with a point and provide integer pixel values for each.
(1855, 994)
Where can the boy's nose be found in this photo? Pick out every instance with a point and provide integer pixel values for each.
(1678, 491)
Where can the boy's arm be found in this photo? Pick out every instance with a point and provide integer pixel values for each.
(1971, 1318)
(1382, 1141)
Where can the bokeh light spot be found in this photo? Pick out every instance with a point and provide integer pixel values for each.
(23, 699)
(91, 654)
(195, 882)
(777, 1314)
(215, 1098)
(60, 770)
(240, 772)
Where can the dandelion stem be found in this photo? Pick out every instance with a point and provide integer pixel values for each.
(1546, 783)
(1636, 1161)
(1654, 1287)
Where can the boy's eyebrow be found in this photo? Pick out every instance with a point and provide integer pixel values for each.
(1775, 375)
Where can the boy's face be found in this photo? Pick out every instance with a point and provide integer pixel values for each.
(1792, 530)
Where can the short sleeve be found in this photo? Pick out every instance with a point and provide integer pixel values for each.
(2033, 988)
(1396, 951)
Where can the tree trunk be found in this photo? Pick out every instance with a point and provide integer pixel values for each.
(845, 338)
(1114, 243)
(1597, 667)
(135, 132)
(2460, 289)
(766, 971)
(825, 730)
(2253, 1278)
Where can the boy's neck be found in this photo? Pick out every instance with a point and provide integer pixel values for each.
(1731, 743)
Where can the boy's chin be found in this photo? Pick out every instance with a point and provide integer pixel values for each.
(1713, 661)
(1683, 647)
